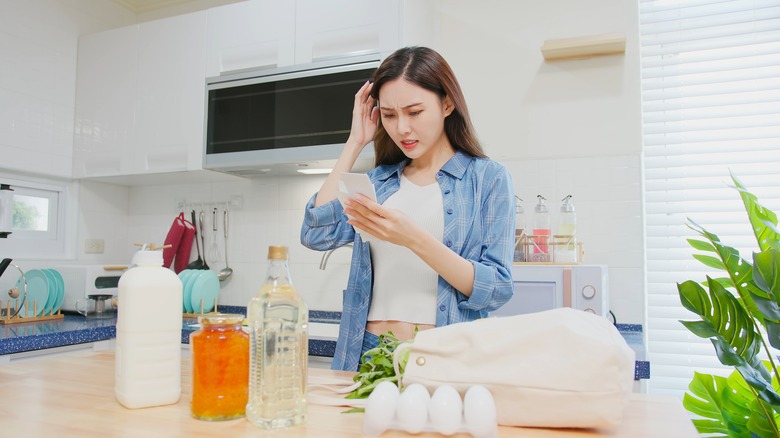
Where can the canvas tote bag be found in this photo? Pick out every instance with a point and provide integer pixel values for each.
(557, 368)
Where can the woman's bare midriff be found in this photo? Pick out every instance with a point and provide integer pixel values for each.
(402, 330)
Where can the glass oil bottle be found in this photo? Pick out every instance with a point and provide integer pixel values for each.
(278, 355)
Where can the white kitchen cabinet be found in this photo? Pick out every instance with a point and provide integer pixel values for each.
(140, 99)
(105, 101)
(170, 95)
(276, 33)
(250, 34)
(327, 29)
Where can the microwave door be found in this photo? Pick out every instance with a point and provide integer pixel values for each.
(532, 296)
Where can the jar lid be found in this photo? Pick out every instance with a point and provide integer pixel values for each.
(221, 318)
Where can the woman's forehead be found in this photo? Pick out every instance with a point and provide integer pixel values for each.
(400, 93)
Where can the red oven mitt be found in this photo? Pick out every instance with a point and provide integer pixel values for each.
(180, 240)
(185, 247)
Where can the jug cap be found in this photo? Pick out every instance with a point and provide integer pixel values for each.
(147, 258)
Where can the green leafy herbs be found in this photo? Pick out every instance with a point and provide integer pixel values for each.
(376, 365)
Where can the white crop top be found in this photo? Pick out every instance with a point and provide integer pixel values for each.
(405, 287)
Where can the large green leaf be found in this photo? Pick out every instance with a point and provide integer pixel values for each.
(723, 318)
(745, 404)
(738, 269)
(727, 407)
(742, 405)
(766, 278)
(766, 271)
(705, 399)
(762, 220)
(731, 330)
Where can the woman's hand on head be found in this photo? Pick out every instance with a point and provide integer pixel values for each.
(365, 115)
(383, 223)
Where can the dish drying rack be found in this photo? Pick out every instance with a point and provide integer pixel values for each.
(13, 316)
(195, 315)
(553, 249)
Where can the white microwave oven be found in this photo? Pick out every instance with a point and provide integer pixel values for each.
(545, 287)
(276, 120)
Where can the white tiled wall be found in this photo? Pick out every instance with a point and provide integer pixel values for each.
(38, 48)
(515, 113)
(606, 193)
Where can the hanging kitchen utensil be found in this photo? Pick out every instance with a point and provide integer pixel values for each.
(203, 237)
(227, 271)
(198, 263)
(214, 251)
(179, 242)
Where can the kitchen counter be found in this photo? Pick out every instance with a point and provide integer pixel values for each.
(323, 331)
(73, 395)
(76, 329)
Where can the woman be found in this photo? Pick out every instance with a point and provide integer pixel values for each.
(442, 230)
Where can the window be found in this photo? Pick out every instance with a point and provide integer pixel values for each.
(34, 212)
(34, 216)
(710, 105)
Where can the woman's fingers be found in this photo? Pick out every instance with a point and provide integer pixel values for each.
(364, 118)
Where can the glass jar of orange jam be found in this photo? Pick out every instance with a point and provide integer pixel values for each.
(220, 368)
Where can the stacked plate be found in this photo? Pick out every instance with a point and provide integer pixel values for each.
(200, 288)
(45, 288)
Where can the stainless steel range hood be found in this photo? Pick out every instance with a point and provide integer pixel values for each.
(281, 120)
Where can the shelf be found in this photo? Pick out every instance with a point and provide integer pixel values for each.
(584, 47)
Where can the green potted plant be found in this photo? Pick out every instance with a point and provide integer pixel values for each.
(740, 314)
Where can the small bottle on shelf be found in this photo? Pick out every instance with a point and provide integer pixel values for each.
(541, 232)
(520, 230)
(566, 251)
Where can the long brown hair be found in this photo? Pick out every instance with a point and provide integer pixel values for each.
(426, 68)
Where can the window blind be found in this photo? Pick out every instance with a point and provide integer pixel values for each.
(710, 106)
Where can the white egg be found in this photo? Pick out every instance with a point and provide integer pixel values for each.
(380, 408)
(446, 410)
(412, 408)
(479, 411)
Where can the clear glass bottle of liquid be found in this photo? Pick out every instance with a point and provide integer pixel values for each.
(566, 252)
(279, 347)
(541, 231)
(520, 231)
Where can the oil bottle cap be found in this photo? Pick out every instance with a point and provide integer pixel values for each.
(277, 252)
(567, 206)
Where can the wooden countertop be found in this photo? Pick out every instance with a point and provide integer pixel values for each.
(73, 395)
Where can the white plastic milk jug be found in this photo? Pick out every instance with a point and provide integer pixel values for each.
(148, 334)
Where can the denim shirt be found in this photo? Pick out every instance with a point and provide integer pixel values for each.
(479, 225)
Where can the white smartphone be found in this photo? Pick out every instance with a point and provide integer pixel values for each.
(351, 184)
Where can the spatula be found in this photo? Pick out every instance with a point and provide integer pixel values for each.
(196, 264)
